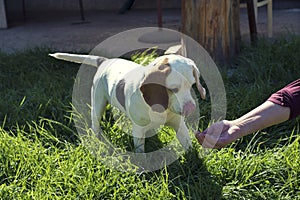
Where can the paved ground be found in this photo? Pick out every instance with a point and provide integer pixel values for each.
(64, 32)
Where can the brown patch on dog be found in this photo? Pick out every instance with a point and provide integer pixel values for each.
(198, 84)
(120, 93)
(154, 88)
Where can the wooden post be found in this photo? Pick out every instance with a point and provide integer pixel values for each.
(252, 21)
(3, 20)
(214, 24)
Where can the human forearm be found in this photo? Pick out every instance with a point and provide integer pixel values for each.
(281, 106)
(261, 117)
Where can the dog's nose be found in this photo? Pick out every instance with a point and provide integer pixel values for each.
(188, 108)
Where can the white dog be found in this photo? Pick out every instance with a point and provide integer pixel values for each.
(151, 95)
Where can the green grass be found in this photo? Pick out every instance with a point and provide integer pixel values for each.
(41, 156)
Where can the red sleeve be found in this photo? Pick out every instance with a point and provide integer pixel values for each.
(289, 96)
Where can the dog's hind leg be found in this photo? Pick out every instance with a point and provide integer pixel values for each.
(98, 106)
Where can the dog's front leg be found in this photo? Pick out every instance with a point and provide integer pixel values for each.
(182, 132)
(183, 136)
(138, 134)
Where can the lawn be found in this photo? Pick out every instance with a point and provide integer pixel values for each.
(41, 156)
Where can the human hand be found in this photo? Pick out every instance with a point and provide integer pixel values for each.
(219, 134)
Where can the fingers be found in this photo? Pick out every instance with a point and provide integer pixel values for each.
(216, 136)
(200, 137)
(210, 141)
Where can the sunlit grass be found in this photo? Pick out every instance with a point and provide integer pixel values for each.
(42, 157)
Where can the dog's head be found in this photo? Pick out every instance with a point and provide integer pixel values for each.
(168, 84)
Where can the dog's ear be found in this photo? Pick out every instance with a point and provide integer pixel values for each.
(200, 88)
(153, 87)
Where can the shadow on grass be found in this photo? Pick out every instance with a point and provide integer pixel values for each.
(187, 176)
(191, 175)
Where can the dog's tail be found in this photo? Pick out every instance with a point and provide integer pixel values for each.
(77, 58)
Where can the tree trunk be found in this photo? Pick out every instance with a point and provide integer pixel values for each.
(215, 25)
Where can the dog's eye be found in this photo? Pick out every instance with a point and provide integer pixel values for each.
(174, 90)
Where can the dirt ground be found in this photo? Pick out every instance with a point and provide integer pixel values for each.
(66, 32)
